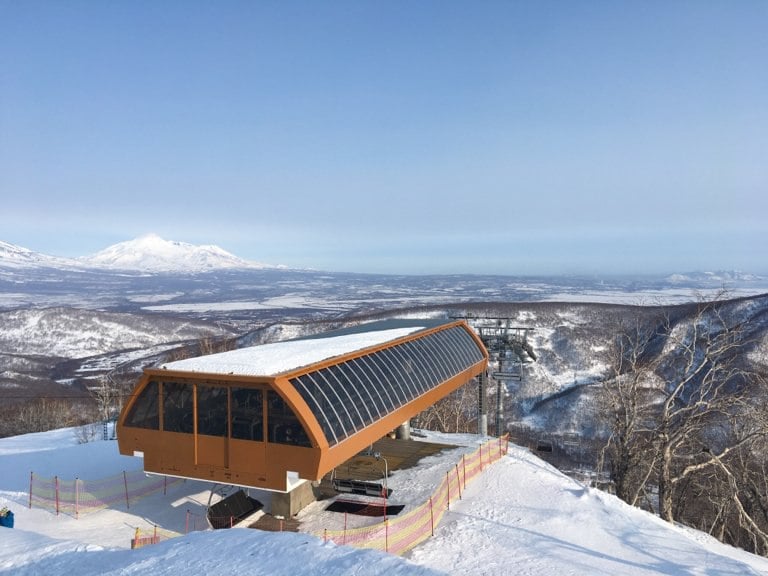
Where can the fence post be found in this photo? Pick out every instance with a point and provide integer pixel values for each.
(448, 487)
(125, 481)
(56, 479)
(458, 480)
(464, 466)
(165, 485)
(386, 535)
(31, 478)
(77, 498)
(186, 523)
(325, 535)
(431, 516)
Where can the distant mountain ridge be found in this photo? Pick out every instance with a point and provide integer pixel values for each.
(152, 254)
(148, 253)
(716, 276)
(12, 256)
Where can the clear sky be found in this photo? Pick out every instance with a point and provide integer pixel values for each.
(516, 137)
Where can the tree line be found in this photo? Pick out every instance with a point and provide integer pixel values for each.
(686, 427)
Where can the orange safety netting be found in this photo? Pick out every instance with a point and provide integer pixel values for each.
(81, 496)
(398, 535)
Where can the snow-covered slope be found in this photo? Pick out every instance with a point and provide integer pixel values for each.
(75, 333)
(151, 253)
(521, 516)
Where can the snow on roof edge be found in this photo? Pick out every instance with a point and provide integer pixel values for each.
(276, 358)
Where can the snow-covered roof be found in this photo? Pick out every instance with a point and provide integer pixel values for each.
(276, 358)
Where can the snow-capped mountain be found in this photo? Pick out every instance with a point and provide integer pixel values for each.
(151, 253)
(12, 256)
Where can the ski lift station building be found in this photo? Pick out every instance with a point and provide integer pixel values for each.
(269, 416)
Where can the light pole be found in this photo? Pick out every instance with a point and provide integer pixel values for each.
(385, 493)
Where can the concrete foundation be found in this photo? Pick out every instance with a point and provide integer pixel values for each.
(288, 504)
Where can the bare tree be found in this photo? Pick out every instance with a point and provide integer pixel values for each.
(454, 413)
(705, 388)
(687, 416)
(624, 400)
(106, 392)
(43, 414)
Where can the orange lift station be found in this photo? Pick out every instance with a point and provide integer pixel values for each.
(272, 415)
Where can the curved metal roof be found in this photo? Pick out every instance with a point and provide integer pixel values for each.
(349, 395)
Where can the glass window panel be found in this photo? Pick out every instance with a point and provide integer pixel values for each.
(396, 380)
(429, 361)
(177, 407)
(319, 404)
(413, 365)
(369, 406)
(387, 378)
(247, 414)
(145, 412)
(465, 345)
(423, 368)
(475, 353)
(211, 410)
(406, 368)
(470, 343)
(457, 353)
(446, 353)
(436, 353)
(396, 363)
(348, 394)
(343, 422)
(372, 376)
(282, 424)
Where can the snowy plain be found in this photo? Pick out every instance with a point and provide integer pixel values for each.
(520, 516)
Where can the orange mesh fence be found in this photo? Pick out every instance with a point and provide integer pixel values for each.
(155, 536)
(400, 534)
(78, 496)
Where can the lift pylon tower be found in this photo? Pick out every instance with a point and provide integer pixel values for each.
(509, 348)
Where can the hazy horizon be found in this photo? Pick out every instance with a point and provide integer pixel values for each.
(514, 138)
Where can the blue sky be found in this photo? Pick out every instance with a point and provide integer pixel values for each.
(407, 137)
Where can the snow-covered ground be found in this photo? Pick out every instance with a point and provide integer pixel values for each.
(520, 516)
